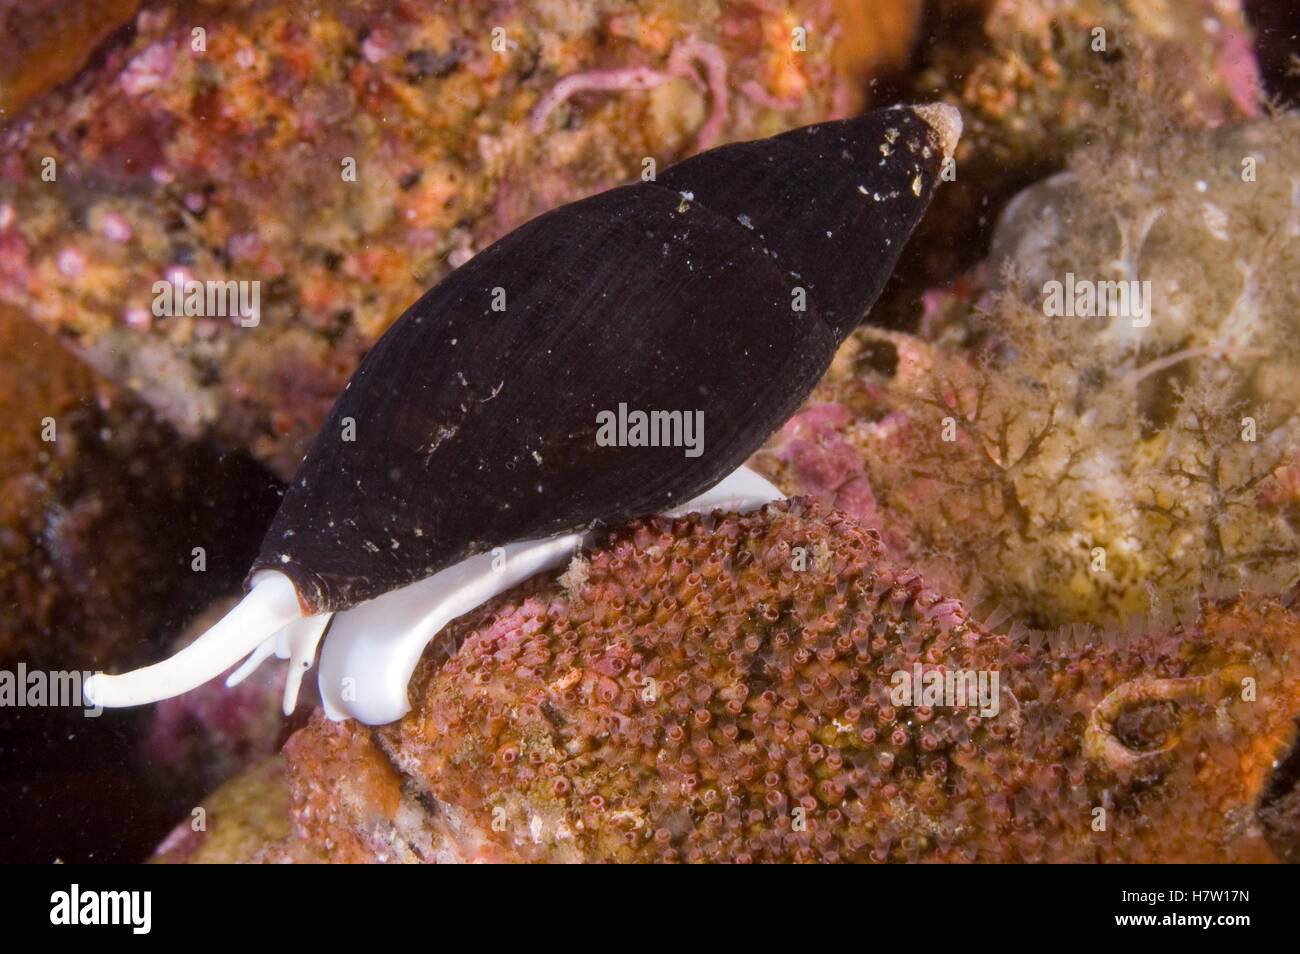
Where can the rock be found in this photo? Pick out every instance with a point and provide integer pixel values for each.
(98, 530)
(699, 698)
(345, 157)
(1034, 83)
(1079, 469)
(46, 43)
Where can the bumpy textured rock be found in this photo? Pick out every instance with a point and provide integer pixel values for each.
(1027, 69)
(45, 42)
(1032, 89)
(230, 156)
(235, 821)
(701, 689)
(98, 526)
(1080, 469)
(99, 522)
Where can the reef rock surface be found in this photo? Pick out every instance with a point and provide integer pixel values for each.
(723, 689)
(346, 156)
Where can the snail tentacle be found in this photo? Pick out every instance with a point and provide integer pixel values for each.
(271, 604)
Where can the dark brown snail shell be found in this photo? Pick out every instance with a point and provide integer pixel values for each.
(474, 427)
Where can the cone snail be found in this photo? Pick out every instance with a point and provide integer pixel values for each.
(613, 358)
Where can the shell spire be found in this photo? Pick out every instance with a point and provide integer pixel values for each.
(830, 203)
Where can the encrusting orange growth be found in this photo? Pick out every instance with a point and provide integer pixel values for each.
(719, 689)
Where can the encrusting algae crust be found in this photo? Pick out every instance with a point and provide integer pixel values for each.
(1086, 469)
(349, 155)
(689, 695)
